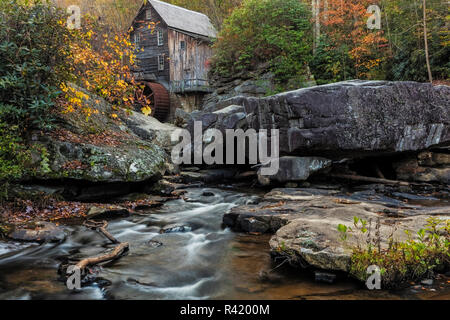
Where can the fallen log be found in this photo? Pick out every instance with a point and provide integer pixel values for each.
(113, 255)
(370, 179)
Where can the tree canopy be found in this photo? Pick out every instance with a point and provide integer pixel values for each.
(272, 32)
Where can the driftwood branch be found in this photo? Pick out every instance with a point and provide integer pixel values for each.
(116, 253)
(370, 179)
(101, 227)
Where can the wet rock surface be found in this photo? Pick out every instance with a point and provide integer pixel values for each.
(107, 212)
(305, 222)
(175, 228)
(39, 232)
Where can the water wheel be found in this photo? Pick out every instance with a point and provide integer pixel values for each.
(160, 100)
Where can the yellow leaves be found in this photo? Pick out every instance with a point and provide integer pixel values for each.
(121, 83)
(102, 65)
(81, 96)
(89, 34)
(146, 110)
(63, 87)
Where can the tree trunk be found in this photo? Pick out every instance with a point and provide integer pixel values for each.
(425, 36)
(316, 16)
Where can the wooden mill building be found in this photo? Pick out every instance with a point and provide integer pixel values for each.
(174, 56)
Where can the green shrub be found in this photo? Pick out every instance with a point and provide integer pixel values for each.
(272, 32)
(332, 63)
(400, 262)
(15, 157)
(34, 58)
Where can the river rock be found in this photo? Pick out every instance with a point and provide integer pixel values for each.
(182, 117)
(305, 224)
(107, 212)
(349, 119)
(295, 169)
(425, 167)
(434, 159)
(39, 232)
(175, 228)
(162, 187)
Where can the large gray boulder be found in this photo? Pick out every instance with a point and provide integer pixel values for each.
(349, 119)
(133, 161)
(102, 148)
(151, 129)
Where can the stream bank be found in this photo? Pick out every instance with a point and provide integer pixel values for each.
(337, 162)
(203, 262)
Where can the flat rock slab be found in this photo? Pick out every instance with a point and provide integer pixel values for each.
(107, 212)
(305, 224)
(41, 232)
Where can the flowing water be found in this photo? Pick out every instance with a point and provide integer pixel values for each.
(204, 262)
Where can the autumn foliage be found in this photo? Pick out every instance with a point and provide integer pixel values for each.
(345, 25)
(101, 65)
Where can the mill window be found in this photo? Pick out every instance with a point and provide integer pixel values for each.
(137, 39)
(161, 62)
(160, 37)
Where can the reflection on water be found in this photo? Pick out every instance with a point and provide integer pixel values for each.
(208, 262)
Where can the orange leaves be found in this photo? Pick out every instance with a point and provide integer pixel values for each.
(346, 24)
(112, 139)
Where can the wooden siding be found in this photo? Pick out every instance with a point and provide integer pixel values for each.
(191, 63)
(148, 59)
(185, 70)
